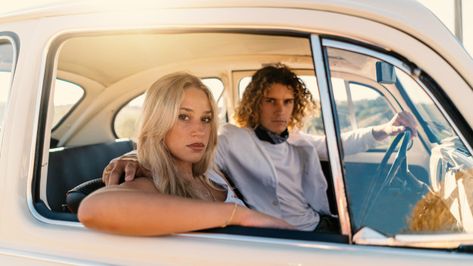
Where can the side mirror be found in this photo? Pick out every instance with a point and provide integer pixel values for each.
(385, 73)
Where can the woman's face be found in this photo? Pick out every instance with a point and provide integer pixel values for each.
(188, 138)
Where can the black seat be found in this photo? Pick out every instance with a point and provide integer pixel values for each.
(75, 196)
(69, 167)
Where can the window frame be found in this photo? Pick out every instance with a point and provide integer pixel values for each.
(13, 40)
(383, 95)
(320, 62)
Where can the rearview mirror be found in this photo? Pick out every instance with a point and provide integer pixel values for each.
(385, 73)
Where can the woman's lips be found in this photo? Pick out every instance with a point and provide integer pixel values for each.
(196, 147)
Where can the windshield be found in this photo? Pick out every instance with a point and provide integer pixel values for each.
(437, 125)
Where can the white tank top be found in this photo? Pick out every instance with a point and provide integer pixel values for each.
(218, 179)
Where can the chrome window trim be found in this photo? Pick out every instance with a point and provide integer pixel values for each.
(441, 240)
(366, 51)
(37, 257)
(330, 133)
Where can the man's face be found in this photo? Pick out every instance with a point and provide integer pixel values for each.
(276, 108)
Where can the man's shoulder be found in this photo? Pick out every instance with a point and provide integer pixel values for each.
(232, 130)
(300, 138)
(233, 136)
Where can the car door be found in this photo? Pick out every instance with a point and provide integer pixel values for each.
(429, 192)
(29, 232)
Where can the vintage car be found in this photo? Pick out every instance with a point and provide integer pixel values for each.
(72, 79)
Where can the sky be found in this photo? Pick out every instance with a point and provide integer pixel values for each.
(444, 10)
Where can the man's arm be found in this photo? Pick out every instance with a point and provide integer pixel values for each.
(362, 139)
(126, 164)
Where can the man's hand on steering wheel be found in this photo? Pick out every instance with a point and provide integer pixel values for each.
(398, 124)
(126, 164)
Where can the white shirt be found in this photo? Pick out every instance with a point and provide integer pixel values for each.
(218, 179)
(294, 207)
(243, 157)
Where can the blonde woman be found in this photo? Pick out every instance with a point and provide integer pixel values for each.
(176, 143)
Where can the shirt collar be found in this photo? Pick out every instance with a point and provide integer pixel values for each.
(266, 135)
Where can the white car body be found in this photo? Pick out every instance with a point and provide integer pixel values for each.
(29, 238)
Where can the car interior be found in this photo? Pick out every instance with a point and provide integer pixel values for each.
(99, 88)
(95, 87)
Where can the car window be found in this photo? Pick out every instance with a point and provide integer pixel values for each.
(425, 186)
(359, 106)
(6, 73)
(438, 126)
(126, 119)
(66, 96)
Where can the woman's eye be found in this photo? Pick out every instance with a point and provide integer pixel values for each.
(207, 119)
(183, 117)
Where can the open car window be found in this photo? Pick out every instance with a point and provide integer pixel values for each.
(366, 90)
(425, 186)
(99, 128)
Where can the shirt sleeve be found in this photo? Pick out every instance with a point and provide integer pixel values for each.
(355, 141)
(219, 160)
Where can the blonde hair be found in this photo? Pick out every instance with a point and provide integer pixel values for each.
(247, 114)
(160, 112)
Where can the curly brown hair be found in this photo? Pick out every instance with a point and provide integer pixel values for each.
(247, 114)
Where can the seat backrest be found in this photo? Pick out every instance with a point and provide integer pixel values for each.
(69, 167)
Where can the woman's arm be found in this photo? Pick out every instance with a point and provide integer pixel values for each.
(137, 208)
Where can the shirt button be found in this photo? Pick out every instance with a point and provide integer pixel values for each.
(275, 202)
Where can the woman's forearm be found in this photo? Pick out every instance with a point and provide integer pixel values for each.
(133, 212)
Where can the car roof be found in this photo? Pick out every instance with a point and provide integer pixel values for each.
(408, 16)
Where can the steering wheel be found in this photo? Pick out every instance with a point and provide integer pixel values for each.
(398, 170)
(75, 195)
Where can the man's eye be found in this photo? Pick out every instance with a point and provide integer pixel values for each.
(183, 117)
(269, 100)
(289, 101)
(207, 119)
